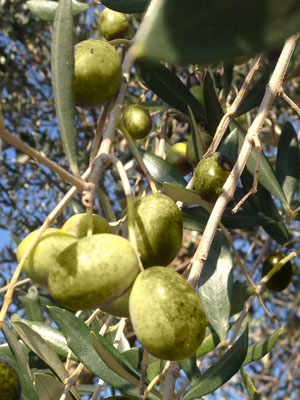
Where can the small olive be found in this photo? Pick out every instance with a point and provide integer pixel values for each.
(177, 156)
(166, 314)
(136, 121)
(210, 175)
(78, 225)
(10, 388)
(281, 279)
(113, 24)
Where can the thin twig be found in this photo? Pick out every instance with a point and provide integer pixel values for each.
(223, 124)
(155, 381)
(19, 283)
(230, 185)
(61, 172)
(293, 105)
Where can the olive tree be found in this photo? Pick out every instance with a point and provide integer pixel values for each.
(163, 198)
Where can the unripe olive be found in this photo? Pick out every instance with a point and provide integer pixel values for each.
(136, 121)
(176, 156)
(167, 314)
(43, 256)
(94, 271)
(158, 229)
(79, 224)
(281, 279)
(10, 388)
(97, 72)
(210, 175)
(113, 24)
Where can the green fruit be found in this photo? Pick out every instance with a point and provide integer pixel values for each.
(97, 72)
(167, 314)
(94, 271)
(10, 388)
(176, 156)
(158, 229)
(210, 175)
(113, 24)
(78, 225)
(42, 258)
(120, 306)
(136, 121)
(281, 279)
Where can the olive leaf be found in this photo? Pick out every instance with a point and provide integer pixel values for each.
(165, 83)
(62, 60)
(249, 385)
(215, 285)
(221, 371)
(128, 6)
(45, 9)
(288, 161)
(49, 387)
(214, 111)
(207, 32)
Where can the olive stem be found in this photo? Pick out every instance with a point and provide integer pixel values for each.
(223, 124)
(230, 185)
(139, 159)
(157, 379)
(170, 380)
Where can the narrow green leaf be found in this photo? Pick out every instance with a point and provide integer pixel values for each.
(214, 111)
(42, 350)
(110, 360)
(179, 193)
(209, 343)
(259, 350)
(249, 385)
(161, 171)
(169, 88)
(267, 177)
(51, 336)
(207, 32)
(128, 6)
(221, 371)
(200, 139)
(49, 387)
(215, 285)
(45, 9)
(288, 161)
(195, 219)
(18, 350)
(241, 291)
(62, 61)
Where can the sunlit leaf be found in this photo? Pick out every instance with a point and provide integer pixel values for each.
(221, 371)
(215, 285)
(62, 61)
(249, 385)
(161, 171)
(288, 161)
(45, 9)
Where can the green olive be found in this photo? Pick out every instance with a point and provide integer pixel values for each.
(281, 279)
(158, 229)
(210, 175)
(43, 256)
(78, 225)
(10, 388)
(136, 121)
(120, 306)
(177, 156)
(97, 72)
(113, 24)
(94, 271)
(167, 314)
